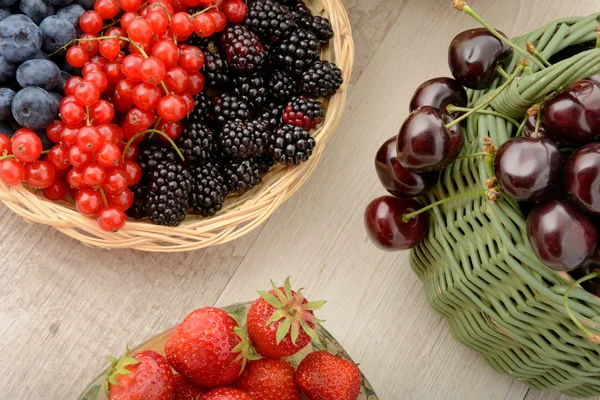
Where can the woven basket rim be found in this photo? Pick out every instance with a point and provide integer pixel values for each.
(240, 214)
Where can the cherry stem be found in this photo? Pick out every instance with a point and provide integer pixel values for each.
(533, 51)
(101, 190)
(461, 5)
(205, 10)
(538, 121)
(522, 126)
(506, 84)
(408, 217)
(161, 133)
(452, 109)
(595, 339)
(502, 72)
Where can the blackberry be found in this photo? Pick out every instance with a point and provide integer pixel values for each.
(209, 189)
(264, 163)
(150, 157)
(320, 26)
(196, 142)
(303, 112)
(202, 109)
(291, 144)
(322, 79)
(298, 51)
(241, 175)
(270, 20)
(198, 41)
(228, 107)
(138, 209)
(245, 52)
(168, 192)
(215, 68)
(252, 87)
(281, 85)
(241, 140)
(270, 115)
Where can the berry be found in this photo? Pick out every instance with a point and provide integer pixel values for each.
(269, 379)
(264, 162)
(172, 108)
(106, 8)
(252, 87)
(245, 52)
(270, 20)
(215, 69)
(176, 80)
(320, 26)
(56, 33)
(191, 59)
(57, 190)
(102, 112)
(152, 70)
(12, 172)
(298, 51)
(196, 142)
(291, 144)
(202, 109)
(182, 24)
(241, 140)
(34, 108)
(72, 113)
(138, 209)
(77, 56)
(111, 219)
(124, 200)
(26, 145)
(75, 179)
(146, 96)
(91, 22)
(185, 390)
(167, 52)
(71, 13)
(151, 157)
(439, 93)
(58, 156)
(323, 376)
(227, 107)
(226, 393)
(109, 155)
(303, 112)
(40, 174)
(94, 175)
(88, 201)
(131, 66)
(209, 189)
(86, 93)
(281, 85)
(168, 192)
(109, 48)
(270, 115)
(235, 11)
(204, 25)
(139, 30)
(322, 79)
(241, 176)
(6, 98)
(89, 139)
(20, 39)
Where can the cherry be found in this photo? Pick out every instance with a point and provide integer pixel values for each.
(40, 174)
(12, 172)
(529, 128)
(528, 168)
(57, 190)
(111, 219)
(383, 221)
(562, 237)
(439, 93)
(582, 178)
(474, 55)
(398, 180)
(89, 202)
(424, 142)
(573, 116)
(26, 145)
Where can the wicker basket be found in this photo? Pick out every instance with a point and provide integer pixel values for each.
(479, 271)
(240, 214)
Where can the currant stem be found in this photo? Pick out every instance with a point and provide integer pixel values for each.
(464, 7)
(408, 217)
(506, 84)
(591, 337)
(101, 190)
(205, 10)
(452, 109)
(130, 142)
(88, 122)
(142, 134)
(9, 156)
(164, 86)
(502, 72)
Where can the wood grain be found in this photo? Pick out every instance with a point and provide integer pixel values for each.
(63, 307)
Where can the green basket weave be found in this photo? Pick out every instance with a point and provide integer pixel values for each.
(478, 268)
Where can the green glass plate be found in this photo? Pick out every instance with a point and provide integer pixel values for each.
(95, 390)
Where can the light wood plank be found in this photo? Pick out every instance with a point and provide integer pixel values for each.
(535, 395)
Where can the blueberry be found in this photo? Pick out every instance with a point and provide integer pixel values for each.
(71, 13)
(6, 98)
(56, 32)
(41, 73)
(61, 3)
(34, 108)
(57, 97)
(37, 10)
(20, 38)
(4, 13)
(70, 69)
(7, 3)
(7, 71)
(60, 89)
(40, 55)
(87, 4)
(7, 128)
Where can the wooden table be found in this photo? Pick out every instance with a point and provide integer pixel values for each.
(63, 306)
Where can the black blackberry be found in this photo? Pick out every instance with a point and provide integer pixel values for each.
(264, 162)
(209, 189)
(320, 26)
(298, 51)
(245, 52)
(202, 109)
(196, 142)
(241, 175)
(270, 20)
(138, 209)
(228, 107)
(252, 87)
(304, 112)
(281, 85)
(241, 140)
(291, 144)
(322, 79)
(270, 114)
(168, 193)
(215, 68)
(150, 157)
(198, 41)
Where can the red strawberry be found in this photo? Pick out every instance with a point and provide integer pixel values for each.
(206, 349)
(145, 375)
(185, 390)
(323, 376)
(281, 322)
(226, 394)
(269, 379)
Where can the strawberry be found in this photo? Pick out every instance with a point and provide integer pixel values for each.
(281, 322)
(226, 393)
(323, 376)
(206, 349)
(185, 390)
(144, 375)
(269, 379)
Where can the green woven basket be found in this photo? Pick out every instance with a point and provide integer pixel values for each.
(479, 270)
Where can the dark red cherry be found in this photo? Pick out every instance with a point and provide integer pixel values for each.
(439, 93)
(474, 55)
(582, 178)
(383, 220)
(527, 168)
(561, 236)
(398, 180)
(529, 128)
(573, 116)
(424, 142)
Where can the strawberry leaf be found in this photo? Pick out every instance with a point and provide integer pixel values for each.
(283, 330)
(310, 332)
(295, 331)
(271, 299)
(277, 315)
(288, 288)
(314, 305)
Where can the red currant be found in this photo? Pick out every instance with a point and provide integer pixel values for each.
(140, 30)
(131, 67)
(75, 179)
(115, 182)
(5, 145)
(176, 80)
(136, 121)
(12, 172)
(182, 24)
(172, 108)
(72, 113)
(133, 151)
(130, 5)
(127, 18)
(189, 101)
(235, 11)
(106, 8)
(86, 93)
(71, 83)
(90, 67)
(94, 175)
(191, 59)
(97, 77)
(78, 158)
(113, 72)
(110, 48)
(204, 25)
(124, 200)
(159, 21)
(90, 46)
(54, 130)
(111, 219)
(171, 128)
(77, 56)
(195, 83)
(58, 156)
(68, 136)
(91, 22)
(102, 112)
(57, 191)
(26, 145)
(40, 174)
(146, 96)
(219, 18)
(167, 52)
(152, 70)
(123, 98)
(98, 59)
(111, 133)
(109, 155)
(133, 171)
(89, 202)
(89, 139)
